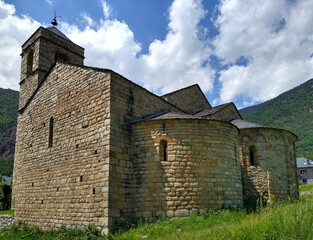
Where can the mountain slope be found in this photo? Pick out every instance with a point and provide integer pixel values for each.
(8, 117)
(8, 108)
(292, 110)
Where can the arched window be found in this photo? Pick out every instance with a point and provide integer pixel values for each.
(163, 150)
(29, 67)
(252, 154)
(50, 132)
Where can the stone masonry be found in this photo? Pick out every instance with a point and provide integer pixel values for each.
(6, 221)
(95, 148)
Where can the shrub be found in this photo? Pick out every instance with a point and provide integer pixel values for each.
(5, 195)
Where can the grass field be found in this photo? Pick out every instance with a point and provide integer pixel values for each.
(308, 187)
(9, 212)
(279, 220)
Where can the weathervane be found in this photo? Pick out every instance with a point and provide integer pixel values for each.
(54, 20)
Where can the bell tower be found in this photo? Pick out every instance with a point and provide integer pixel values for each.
(39, 55)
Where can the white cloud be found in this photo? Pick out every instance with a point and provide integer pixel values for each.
(277, 39)
(106, 9)
(49, 2)
(89, 21)
(14, 31)
(109, 45)
(274, 37)
(176, 62)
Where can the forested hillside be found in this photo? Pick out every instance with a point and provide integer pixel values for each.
(292, 110)
(8, 108)
(8, 115)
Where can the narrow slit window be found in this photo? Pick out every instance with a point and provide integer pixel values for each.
(235, 150)
(30, 58)
(252, 155)
(50, 132)
(163, 150)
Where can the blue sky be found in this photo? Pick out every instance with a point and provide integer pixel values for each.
(246, 51)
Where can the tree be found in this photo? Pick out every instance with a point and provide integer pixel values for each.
(5, 195)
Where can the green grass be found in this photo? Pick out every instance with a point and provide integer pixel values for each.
(308, 187)
(31, 233)
(9, 212)
(280, 220)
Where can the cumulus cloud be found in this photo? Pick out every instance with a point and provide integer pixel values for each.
(264, 47)
(181, 59)
(14, 31)
(275, 38)
(108, 43)
(178, 61)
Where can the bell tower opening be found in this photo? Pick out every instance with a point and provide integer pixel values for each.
(30, 59)
(39, 54)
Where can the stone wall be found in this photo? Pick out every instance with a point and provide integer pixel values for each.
(189, 99)
(201, 171)
(227, 113)
(6, 220)
(43, 60)
(272, 172)
(128, 102)
(65, 182)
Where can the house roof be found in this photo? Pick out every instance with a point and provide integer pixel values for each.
(242, 124)
(6, 179)
(304, 162)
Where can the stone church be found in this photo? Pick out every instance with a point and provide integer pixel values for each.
(93, 147)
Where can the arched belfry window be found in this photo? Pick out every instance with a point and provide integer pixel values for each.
(50, 133)
(252, 155)
(30, 59)
(163, 150)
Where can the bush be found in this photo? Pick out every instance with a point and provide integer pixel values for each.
(5, 195)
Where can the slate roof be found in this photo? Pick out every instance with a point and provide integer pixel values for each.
(211, 111)
(167, 115)
(175, 115)
(242, 124)
(58, 32)
(304, 162)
